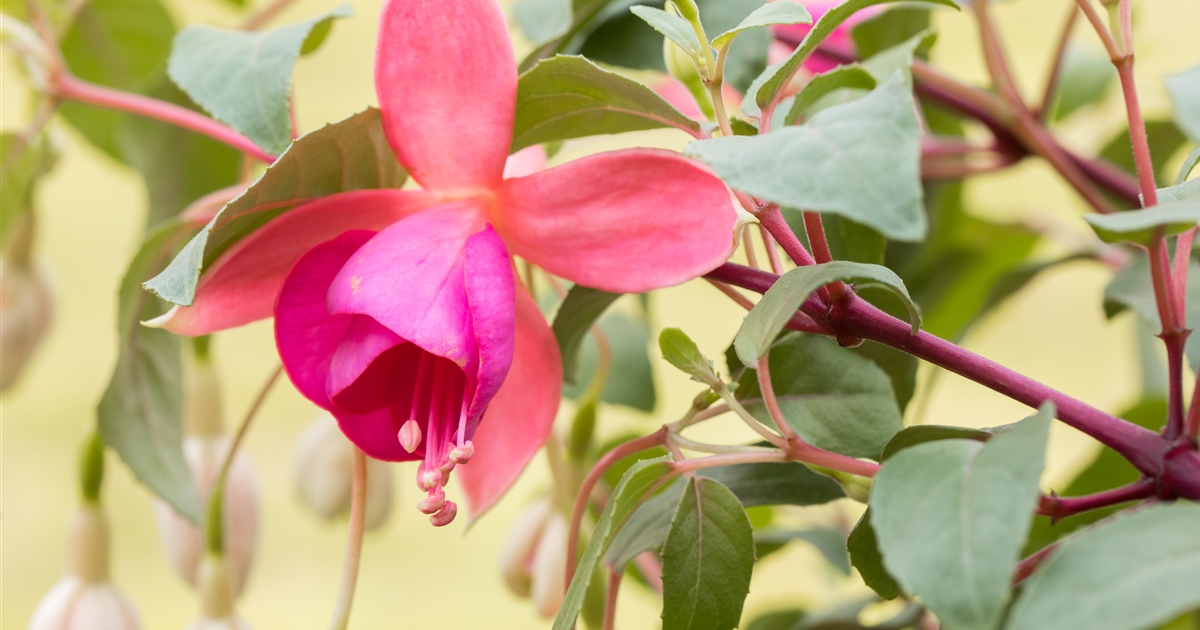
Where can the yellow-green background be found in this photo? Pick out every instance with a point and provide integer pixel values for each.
(416, 576)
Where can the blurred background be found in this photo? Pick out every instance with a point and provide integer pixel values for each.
(91, 211)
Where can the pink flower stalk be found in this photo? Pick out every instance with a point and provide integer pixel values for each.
(397, 310)
(839, 40)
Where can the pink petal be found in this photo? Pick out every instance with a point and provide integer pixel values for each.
(525, 162)
(520, 417)
(446, 80)
(305, 333)
(490, 295)
(409, 278)
(240, 287)
(624, 221)
(365, 340)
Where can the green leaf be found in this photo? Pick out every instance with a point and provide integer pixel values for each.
(543, 20)
(140, 415)
(899, 57)
(1184, 89)
(630, 378)
(576, 315)
(789, 619)
(122, 44)
(244, 78)
(952, 516)
(781, 301)
(830, 542)
(860, 160)
(863, 547)
(1139, 226)
(647, 529)
(679, 350)
(888, 29)
(1084, 78)
(1189, 163)
(707, 559)
(776, 77)
(922, 433)
(764, 16)
(673, 27)
(852, 76)
(832, 397)
(638, 481)
(1180, 192)
(1135, 571)
(19, 174)
(571, 97)
(348, 155)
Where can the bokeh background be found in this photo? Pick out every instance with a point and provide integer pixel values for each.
(415, 576)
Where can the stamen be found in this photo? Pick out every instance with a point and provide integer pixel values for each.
(445, 516)
(416, 396)
(463, 454)
(410, 435)
(433, 503)
(428, 477)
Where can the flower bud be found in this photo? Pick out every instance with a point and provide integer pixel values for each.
(26, 304)
(323, 470)
(516, 559)
(216, 597)
(85, 599)
(184, 542)
(550, 566)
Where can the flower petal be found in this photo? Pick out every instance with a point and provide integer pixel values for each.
(446, 80)
(623, 221)
(409, 277)
(490, 295)
(306, 335)
(520, 417)
(241, 286)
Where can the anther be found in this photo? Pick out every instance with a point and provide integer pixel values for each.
(429, 478)
(445, 516)
(432, 503)
(410, 435)
(462, 454)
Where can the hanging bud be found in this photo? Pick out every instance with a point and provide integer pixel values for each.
(323, 471)
(184, 542)
(26, 303)
(216, 597)
(202, 410)
(85, 599)
(550, 566)
(516, 559)
(682, 68)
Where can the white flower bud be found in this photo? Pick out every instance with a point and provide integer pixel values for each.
(184, 542)
(550, 566)
(216, 598)
(85, 599)
(26, 306)
(323, 471)
(516, 559)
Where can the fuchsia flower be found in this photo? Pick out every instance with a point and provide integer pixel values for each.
(839, 39)
(397, 310)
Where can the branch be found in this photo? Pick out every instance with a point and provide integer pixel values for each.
(1058, 508)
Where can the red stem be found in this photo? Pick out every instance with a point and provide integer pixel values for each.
(772, 219)
(1026, 567)
(74, 89)
(1174, 343)
(1058, 508)
(763, 369)
(610, 599)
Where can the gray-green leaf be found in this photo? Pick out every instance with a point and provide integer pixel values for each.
(860, 160)
(951, 517)
(570, 97)
(1139, 226)
(707, 559)
(1184, 89)
(765, 321)
(1133, 572)
(766, 15)
(673, 27)
(578, 311)
(348, 155)
(244, 78)
(679, 350)
(842, 77)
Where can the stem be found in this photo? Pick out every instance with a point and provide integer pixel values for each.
(69, 87)
(815, 231)
(1058, 508)
(726, 459)
(799, 321)
(358, 517)
(91, 469)
(748, 248)
(718, 98)
(772, 250)
(745, 416)
(1175, 421)
(1110, 44)
(264, 15)
(772, 219)
(610, 599)
(768, 392)
(1027, 566)
(1137, 132)
(1056, 66)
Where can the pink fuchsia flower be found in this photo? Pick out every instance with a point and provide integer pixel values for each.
(839, 40)
(397, 310)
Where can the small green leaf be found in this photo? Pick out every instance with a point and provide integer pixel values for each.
(832, 397)
(707, 559)
(576, 315)
(863, 548)
(775, 77)
(1135, 571)
(860, 160)
(1084, 78)
(673, 27)
(1139, 226)
(1179, 192)
(841, 77)
(348, 155)
(679, 350)
(783, 299)
(952, 515)
(1184, 89)
(767, 15)
(889, 28)
(638, 481)
(244, 78)
(571, 97)
(140, 415)
(1189, 163)
(543, 20)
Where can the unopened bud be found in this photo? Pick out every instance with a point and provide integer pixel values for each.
(26, 303)
(216, 597)
(516, 559)
(856, 488)
(184, 542)
(687, 9)
(410, 436)
(462, 454)
(202, 415)
(445, 516)
(549, 567)
(323, 473)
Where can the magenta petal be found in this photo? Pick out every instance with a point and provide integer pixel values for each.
(520, 417)
(409, 278)
(363, 342)
(241, 286)
(305, 333)
(447, 86)
(375, 433)
(490, 295)
(623, 221)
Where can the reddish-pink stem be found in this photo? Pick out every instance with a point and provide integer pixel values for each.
(772, 219)
(1027, 566)
(768, 392)
(772, 250)
(610, 599)
(1192, 427)
(1183, 254)
(71, 88)
(1058, 508)
(651, 569)
(727, 459)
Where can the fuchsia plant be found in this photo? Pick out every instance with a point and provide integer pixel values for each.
(411, 313)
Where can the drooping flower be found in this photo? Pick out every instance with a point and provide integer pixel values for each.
(397, 310)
